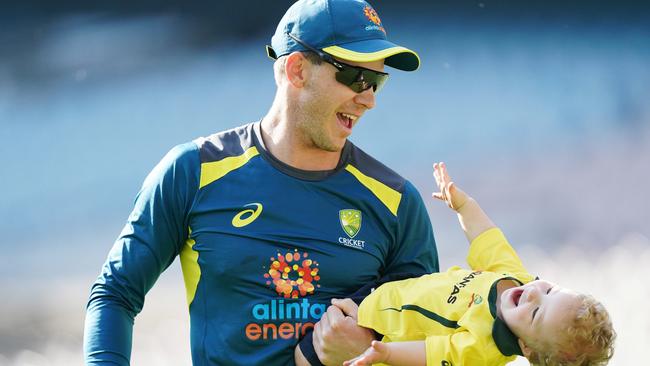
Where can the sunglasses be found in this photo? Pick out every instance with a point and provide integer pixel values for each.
(356, 78)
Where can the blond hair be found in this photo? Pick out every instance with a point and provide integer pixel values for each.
(588, 341)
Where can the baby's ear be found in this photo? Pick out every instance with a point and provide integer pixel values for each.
(524, 348)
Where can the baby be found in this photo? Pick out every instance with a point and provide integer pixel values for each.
(486, 315)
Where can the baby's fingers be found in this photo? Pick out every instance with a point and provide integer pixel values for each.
(436, 174)
(444, 174)
(357, 361)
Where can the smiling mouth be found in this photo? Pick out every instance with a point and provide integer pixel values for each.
(346, 120)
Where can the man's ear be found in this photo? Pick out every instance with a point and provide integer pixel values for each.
(524, 348)
(297, 69)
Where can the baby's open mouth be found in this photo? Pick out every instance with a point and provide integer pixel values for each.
(516, 295)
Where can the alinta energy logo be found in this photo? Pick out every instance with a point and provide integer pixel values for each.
(293, 276)
(372, 15)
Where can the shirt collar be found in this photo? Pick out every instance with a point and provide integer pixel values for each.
(506, 341)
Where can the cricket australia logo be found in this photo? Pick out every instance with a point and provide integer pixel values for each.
(351, 223)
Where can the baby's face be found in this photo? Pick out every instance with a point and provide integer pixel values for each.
(538, 311)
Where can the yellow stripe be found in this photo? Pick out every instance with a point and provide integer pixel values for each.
(191, 269)
(386, 195)
(367, 57)
(217, 169)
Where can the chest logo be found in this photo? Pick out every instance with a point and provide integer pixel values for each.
(293, 274)
(350, 222)
(251, 214)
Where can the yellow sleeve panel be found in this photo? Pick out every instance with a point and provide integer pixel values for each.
(462, 349)
(491, 251)
(191, 270)
(215, 170)
(388, 196)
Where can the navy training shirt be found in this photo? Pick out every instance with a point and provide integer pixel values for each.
(263, 247)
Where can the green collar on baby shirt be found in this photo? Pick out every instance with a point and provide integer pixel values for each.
(505, 340)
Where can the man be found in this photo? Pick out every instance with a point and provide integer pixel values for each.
(275, 218)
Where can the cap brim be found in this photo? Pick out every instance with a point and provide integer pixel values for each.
(377, 49)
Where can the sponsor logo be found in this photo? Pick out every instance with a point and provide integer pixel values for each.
(293, 276)
(240, 221)
(372, 15)
(351, 223)
(475, 300)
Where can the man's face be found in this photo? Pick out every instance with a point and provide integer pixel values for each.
(328, 110)
(538, 311)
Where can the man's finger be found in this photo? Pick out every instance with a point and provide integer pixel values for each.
(334, 313)
(323, 323)
(349, 307)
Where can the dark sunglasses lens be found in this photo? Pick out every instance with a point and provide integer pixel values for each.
(360, 79)
(347, 75)
(377, 80)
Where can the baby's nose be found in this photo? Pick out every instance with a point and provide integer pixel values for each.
(533, 294)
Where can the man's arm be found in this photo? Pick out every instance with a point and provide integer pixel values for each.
(148, 244)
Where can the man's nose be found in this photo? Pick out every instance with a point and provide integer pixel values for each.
(366, 98)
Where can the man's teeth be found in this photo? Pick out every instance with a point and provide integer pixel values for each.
(351, 117)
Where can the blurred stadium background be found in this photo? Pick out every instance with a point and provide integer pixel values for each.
(540, 109)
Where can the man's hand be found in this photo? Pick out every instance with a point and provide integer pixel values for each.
(337, 337)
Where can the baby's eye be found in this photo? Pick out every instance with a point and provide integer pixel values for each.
(549, 290)
(535, 313)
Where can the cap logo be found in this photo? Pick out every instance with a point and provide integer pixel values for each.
(372, 15)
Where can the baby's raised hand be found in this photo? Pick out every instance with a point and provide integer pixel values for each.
(377, 352)
(452, 195)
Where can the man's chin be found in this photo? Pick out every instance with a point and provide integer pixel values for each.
(330, 146)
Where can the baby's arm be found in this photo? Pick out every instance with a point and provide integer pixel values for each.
(393, 353)
(473, 219)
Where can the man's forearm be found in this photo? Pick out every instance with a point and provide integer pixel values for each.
(108, 333)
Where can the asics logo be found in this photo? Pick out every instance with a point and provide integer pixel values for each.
(239, 221)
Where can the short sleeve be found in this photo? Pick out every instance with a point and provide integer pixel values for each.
(491, 251)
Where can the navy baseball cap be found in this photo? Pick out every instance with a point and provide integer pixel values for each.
(348, 29)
